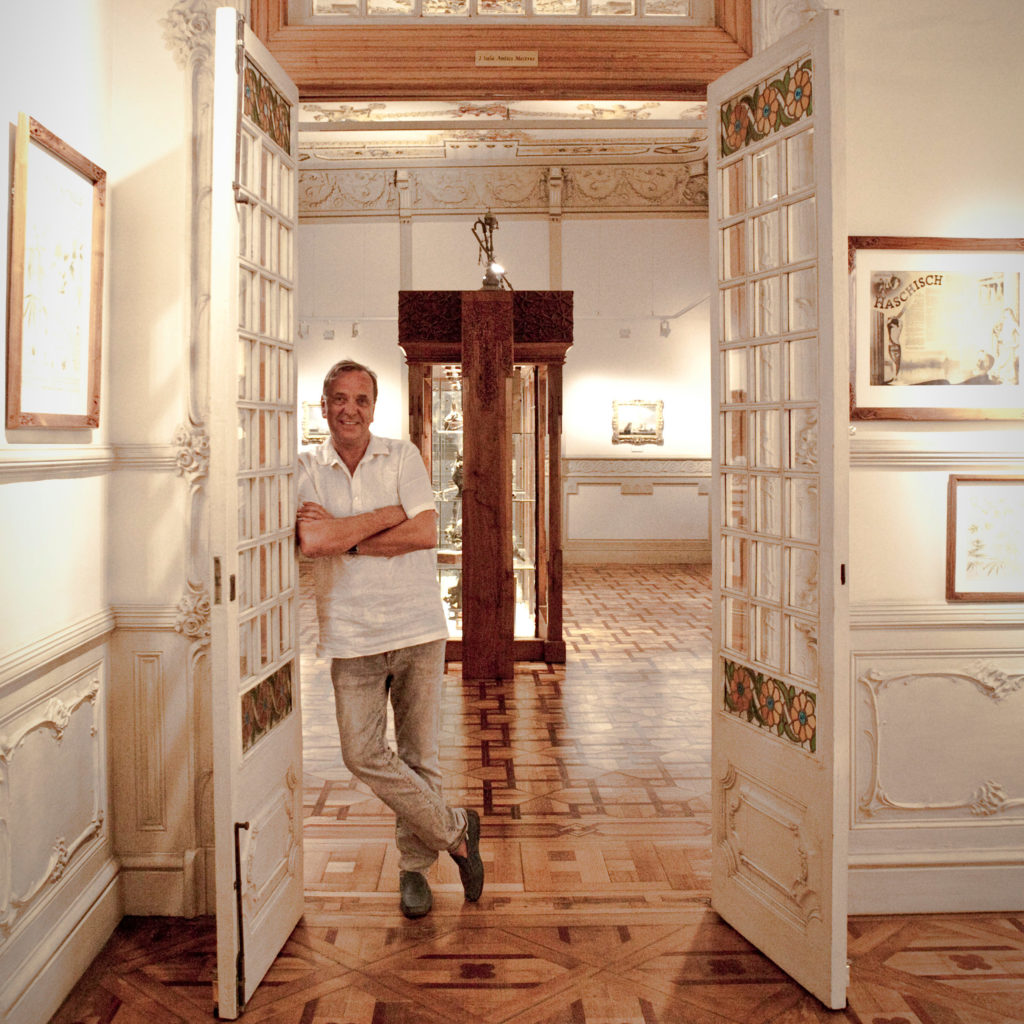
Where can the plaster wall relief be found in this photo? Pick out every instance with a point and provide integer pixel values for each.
(52, 790)
(761, 832)
(345, 192)
(273, 847)
(773, 19)
(918, 717)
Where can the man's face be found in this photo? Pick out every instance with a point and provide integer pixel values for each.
(348, 409)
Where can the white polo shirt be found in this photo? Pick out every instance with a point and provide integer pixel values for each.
(366, 604)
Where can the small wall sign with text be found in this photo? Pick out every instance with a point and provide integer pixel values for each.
(506, 59)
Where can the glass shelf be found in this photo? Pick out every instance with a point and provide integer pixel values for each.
(446, 439)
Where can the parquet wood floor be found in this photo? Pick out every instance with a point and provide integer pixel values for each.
(592, 781)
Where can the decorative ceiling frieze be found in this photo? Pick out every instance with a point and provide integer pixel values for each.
(605, 188)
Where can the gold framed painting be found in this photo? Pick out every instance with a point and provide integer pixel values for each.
(936, 328)
(984, 540)
(638, 422)
(55, 283)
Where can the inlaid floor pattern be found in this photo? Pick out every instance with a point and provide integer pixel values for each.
(592, 781)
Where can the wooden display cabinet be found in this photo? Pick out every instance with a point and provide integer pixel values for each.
(485, 397)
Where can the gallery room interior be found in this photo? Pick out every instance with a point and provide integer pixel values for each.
(760, 487)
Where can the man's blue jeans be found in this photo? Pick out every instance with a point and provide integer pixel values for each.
(409, 782)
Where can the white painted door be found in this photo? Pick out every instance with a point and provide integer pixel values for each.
(780, 729)
(257, 726)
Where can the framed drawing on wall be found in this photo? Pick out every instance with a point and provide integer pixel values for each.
(638, 422)
(55, 283)
(936, 328)
(985, 539)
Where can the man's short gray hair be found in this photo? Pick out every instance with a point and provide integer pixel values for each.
(349, 366)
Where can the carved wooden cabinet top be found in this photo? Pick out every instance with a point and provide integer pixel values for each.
(430, 325)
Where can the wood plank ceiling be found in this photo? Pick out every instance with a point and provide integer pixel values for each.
(428, 61)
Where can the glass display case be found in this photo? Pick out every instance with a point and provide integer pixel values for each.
(447, 468)
(485, 411)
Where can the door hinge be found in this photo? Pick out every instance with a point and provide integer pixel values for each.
(240, 958)
(216, 580)
(842, 574)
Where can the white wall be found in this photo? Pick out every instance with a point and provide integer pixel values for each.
(930, 152)
(58, 886)
(627, 274)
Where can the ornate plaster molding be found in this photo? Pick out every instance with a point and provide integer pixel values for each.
(792, 892)
(193, 456)
(635, 188)
(54, 718)
(643, 467)
(282, 860)
(773, 19)
(988, 797)
(194, 614)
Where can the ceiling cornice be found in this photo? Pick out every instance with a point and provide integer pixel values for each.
(373, 62)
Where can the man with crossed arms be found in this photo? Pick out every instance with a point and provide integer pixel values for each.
(367, 519)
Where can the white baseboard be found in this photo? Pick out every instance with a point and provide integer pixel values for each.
(637, 552)
(164, 885)
(943, 887)
(43, 982)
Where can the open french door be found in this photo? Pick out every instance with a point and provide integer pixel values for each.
(780, 728)
(257, 727)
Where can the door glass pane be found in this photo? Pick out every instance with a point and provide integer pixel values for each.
(733, 198)
(735, 386)
(766, 176)
(768, 379)
(803, 439)
(803, 299)
(734, 260)
(736, 624)
(802, 502)
(766, 637)
(766, 241)
(734, 438)
(803, 649)
(736, 500)
(769, 505)
(766, 307)
(800, 160)
(734, 309)
(734, 563)
(767, 450)
(803, 579)
(802, 357)
(803, 230)
(767, 571)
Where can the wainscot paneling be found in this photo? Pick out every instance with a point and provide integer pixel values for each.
(637, 510)
(938, 780)
(155, 788)
(59, 897)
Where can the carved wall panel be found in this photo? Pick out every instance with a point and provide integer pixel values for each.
(612, 188)
(918, 719)
(272, 848)
(52, 789)
(761, 833)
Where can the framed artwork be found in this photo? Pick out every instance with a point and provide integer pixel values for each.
(314, 426)
(638, 422)
(55, 283)
(936, 328)
(984, 538)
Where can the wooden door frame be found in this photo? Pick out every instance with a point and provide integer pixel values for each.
(434, 61)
